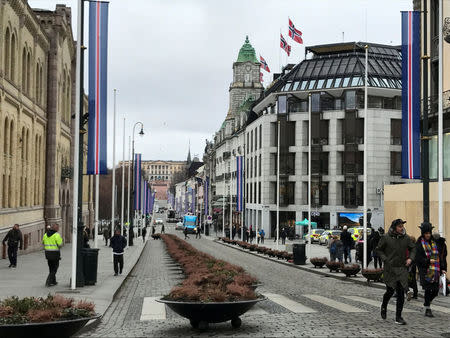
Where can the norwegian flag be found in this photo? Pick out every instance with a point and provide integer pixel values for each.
(284, 45)
(261, 79)
(294, 33)
(264, 64)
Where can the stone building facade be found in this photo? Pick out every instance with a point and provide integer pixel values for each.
(37, 92)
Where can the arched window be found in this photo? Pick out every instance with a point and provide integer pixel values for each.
(68, 100)
(36, 170)
(41, 86)
(36, 84)
(63, 98)
(11, 193)
(12, 74)
(28, 72)
(7, 52)
(5, 139)
(24, 70)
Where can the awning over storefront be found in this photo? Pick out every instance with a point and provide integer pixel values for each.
(305, 222)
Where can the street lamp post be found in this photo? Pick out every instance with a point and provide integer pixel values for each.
(141, 133)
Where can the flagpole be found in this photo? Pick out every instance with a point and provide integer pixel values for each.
(123, 181)
(309, 176)
(97, 188)
(129, 178)
(365, 160)
(278, 184)
(279, 57)
(440, 124)
(76, 147)
(231, 205)
(114, 167)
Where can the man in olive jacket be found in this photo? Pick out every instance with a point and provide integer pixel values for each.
(397, 252)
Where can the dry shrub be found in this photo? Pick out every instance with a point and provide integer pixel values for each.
(85, 305)
(44, 315)
(62, 302)
(6, 311)
(207, 279)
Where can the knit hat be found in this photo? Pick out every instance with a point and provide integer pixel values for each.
(426, 227)
(396, 222)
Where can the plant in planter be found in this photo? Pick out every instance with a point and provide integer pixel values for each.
(318, 262)
(40, 317)
(333, 266)
(288, 256)
(270, 252)
(374, 275)
(350, 269)
(213, 291)
(252, 247)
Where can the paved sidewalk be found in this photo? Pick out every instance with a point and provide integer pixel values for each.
(28, 279)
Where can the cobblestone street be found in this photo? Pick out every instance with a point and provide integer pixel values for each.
(299, 303)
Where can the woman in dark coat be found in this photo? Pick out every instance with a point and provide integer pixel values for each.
(429, 264)
(393, 248)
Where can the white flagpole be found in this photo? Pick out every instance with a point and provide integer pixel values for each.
(309, 177)
(129, 179)
(278, 184)
(440, 124)
(114, 168)
(365, 161)
(123, 180)
(97, 188)
(223, 206)
(231, 205)
(73, 282)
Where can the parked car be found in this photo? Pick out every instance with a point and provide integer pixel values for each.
(314, 235)
(179, 226)
(325, 237)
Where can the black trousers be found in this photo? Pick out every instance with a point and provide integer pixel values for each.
(377, 262)
(431, 291)
(283, 240)
(53, 265)
(400, 298)
(118, 263)
(12, 254)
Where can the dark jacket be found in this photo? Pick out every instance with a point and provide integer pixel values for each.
(118, 243)
(14, 238)
(392, 250)
(374, 239)
(346, 238)
(423, 261)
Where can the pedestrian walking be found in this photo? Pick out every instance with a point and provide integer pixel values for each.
(198, 232)
(394, 248)
(283, 236)
(332, 248)
(153, 230)
(106, 235)
(52, 243)
(162, 229)
(233, 232)
(86, 237)
(144, 232)
(262, 234)
(374, 239)
(14, 239)
(118, 243)
(347, 242)
(412, 281)
(339, 249)
(185, 231)
(430, 265)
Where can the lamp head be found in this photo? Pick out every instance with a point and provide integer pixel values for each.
(141, 133)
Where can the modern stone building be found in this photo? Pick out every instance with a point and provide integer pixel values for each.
(334, 77)
(37, 75)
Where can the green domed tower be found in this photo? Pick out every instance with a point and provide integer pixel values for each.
(246, 82)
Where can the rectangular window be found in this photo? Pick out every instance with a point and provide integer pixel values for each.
(396, 163)
(248, 142)
(259, 167)
(312, 83)
(260, 136)
(350, 99)
(396, 131)
(320, 84)
(251, 141)
(259, 192)
(304, 83)
(345, 82)
(337, 83)
(329, 83)
(315, 102)
(282, 104)
(256, 138)
(287, 192)
(273, 163)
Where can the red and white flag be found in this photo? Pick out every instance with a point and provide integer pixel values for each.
(294, 33)
(264, 64)
(284, 45)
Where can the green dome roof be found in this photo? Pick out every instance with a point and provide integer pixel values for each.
(247, 52)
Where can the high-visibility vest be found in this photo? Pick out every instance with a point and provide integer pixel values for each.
(53, 242)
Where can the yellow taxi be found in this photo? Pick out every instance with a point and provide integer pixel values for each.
(314, 235)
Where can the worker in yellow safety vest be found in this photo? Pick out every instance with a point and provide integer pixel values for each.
(52, 243)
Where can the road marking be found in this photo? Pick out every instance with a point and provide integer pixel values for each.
(256, 310)
(433, 307)
(372, 302)
(334, 304)
(151, 309)
(288, 303)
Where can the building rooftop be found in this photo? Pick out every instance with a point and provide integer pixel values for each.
(247, 53)
(342, 65)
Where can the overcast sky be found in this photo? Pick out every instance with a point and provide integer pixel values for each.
(171, 61)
